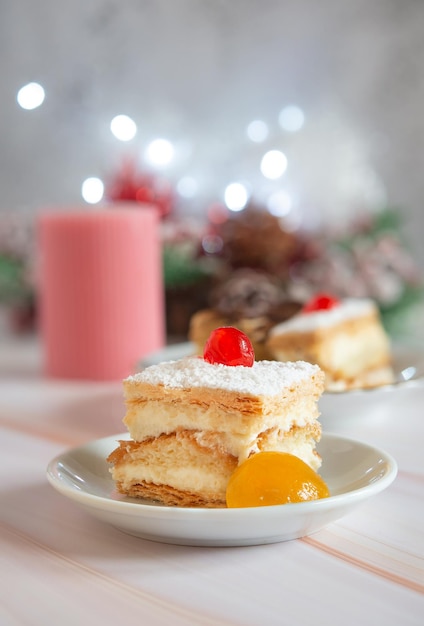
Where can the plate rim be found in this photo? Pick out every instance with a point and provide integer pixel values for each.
(142, 507)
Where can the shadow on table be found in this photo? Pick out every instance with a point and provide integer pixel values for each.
(43, 516)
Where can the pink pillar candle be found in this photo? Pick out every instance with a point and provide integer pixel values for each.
(101, 291)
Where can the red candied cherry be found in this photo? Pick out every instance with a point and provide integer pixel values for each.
(229, 346)
(320, 302)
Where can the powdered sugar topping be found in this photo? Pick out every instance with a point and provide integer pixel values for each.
(347, 309)
(263, 378)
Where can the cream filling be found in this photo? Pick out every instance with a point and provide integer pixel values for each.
(191, 478)
(225, 431)
(348, 354)
(202, 474)
(275, 439)
(351, 355)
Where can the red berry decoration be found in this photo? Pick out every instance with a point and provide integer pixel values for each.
(320, 302)
(229, 346)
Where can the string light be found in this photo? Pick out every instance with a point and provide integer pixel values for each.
(123, 127)
(187, 187)
(30, 96)
(159, 152)
(291, 118)
(257, 131)
(273, 164)
(236, 196)
(92, 190)
(212, 244)
(279, 203)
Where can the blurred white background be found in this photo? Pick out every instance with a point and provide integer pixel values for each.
(198, 73)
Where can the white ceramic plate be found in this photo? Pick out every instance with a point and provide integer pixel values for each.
(354, 471)
(376, 402)
(338, 408)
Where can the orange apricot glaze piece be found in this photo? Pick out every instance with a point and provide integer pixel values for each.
(268, 478)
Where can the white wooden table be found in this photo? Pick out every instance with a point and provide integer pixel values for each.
(58, 565)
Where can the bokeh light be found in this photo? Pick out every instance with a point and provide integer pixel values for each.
(92, 190)
(291, 118)
(187, 187)
(217, 213)
(159, 152)
(257, 131)
(123, 127)
(236, 196)
(30, 96)
(212, 244)
(273, 164)
(279, 203)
